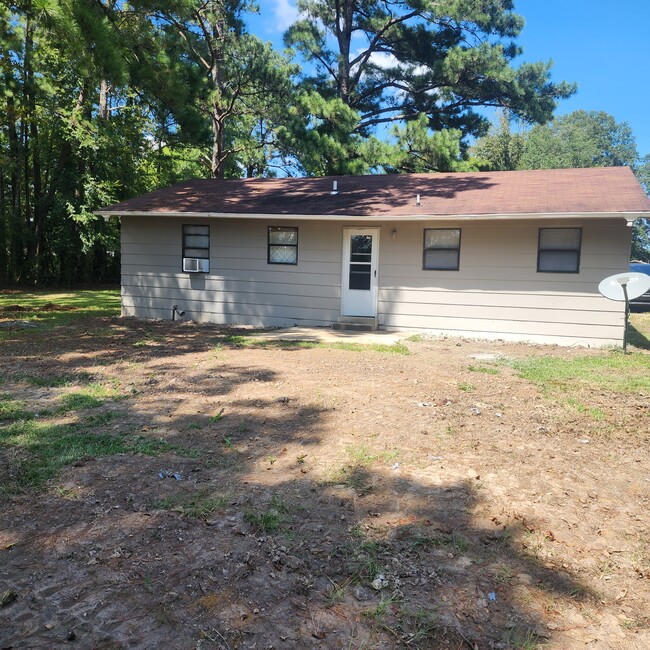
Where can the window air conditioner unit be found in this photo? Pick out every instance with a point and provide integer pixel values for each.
(196, 265)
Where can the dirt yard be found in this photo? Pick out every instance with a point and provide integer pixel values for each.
(200, 491)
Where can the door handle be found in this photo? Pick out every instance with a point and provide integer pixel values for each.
(375, 272)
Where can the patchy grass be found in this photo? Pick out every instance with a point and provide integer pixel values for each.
(486, 370)
(594, 412)
(102, 419)
(199, 505)
(361, 456)
(416, 338)
(269, 520)
(11, 409)
(78, 402)
(283, 344)
(54, 381)
(44, 449)
(92, 396)
(393, 348)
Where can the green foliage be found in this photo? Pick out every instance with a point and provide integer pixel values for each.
(391, 61)
(501, 149)
(418, 149)
(320, 136)
(641, 232)
(101, 101)
(580, 139)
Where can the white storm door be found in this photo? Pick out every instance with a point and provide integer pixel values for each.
(359, 279)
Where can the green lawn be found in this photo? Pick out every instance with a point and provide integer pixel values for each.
(52, 308)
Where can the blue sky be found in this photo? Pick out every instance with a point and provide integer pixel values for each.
(603, 46)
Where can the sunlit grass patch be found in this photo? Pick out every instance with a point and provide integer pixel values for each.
(613, 371)
(51, 309)
(240, 341)
(89, 397)
(393, 348)
(78, 402)
(11, 409)
(47, 448)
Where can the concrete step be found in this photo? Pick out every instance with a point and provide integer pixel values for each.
(353, 327)
(356, 323)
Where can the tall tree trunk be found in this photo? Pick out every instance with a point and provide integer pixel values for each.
(4, 213)
(102, 111)
(16, 250)
(217, 167)
(344, 16)
(34, 213)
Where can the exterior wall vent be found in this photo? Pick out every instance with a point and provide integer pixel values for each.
(196, 265)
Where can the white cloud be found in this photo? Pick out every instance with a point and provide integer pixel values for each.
(385, 61)
(285, 13)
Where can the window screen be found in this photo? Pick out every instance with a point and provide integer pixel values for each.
(283, 245)
(196, 244)
(441, 249)
(559, 250)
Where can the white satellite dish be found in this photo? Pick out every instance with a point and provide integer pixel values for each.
(625, 287)
(616, 286)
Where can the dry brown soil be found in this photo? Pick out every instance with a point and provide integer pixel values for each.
(353, 499)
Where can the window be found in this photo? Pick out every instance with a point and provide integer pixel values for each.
(441, 249)
(196, 246)
(283, 245)
(559, 250)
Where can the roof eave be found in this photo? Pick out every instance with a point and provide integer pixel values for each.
(630, 217)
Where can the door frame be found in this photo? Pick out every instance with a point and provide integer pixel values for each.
(346, 309)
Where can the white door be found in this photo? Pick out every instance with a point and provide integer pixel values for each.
(359, 280)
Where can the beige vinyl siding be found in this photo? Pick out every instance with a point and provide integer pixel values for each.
(496, 293)
(241, 287)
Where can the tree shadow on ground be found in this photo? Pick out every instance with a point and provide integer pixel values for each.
(230, 538)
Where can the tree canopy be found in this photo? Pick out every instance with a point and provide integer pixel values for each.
(101, 100)
(578, 139)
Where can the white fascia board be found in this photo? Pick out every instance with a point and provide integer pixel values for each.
(629, 217)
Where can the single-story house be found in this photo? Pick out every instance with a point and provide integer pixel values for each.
(501, 255)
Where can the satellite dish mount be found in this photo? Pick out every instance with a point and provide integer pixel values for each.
(624, 287)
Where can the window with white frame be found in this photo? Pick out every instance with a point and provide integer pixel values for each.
(559, 250)
(441, 249)
(283, 245)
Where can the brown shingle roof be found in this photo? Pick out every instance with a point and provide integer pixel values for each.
(551, 191)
